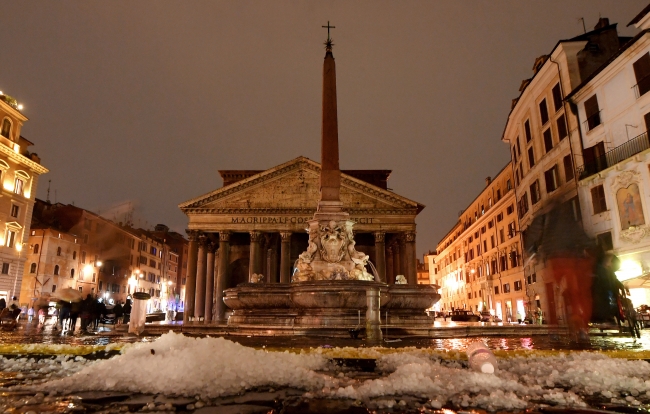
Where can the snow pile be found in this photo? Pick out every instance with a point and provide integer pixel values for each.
(213, 367)
(209, 367)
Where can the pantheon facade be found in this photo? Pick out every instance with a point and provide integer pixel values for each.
(256, 224)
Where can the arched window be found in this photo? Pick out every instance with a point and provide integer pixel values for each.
(74, 255)
(36, 248)
(58, 251)
(6, 128)
(56, 270)
(32, 268)
(71, 273)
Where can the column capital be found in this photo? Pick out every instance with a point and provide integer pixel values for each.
(256, 236)
(212, 247)
(380, 237)
(285, 236)
(409, 236)
(224, 236)
(203, 240)
(192, 235)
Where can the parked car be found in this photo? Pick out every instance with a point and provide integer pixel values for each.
(485, 316)
(155, 317)
(462, 315)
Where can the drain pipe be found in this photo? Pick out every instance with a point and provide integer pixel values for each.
(373, 309)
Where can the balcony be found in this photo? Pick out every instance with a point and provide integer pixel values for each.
(622, 152)
(642, 87)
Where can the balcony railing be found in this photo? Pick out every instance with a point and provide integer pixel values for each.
(614, 156)
(592, 122)
(642, 87)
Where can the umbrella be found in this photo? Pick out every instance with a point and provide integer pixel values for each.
(69, 295)
(42, 302)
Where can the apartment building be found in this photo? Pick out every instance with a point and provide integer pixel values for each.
(19, 173)
(613, 108)
(479, 262)
(544, 139)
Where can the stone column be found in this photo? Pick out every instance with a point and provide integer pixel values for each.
(255, 254)
(402, 255)
(209, 283)
(410, 258)
(223, 276)
(390, 274)
(380, 255)
(285, 257)
(190, 282)
(201, 267)
(397, 260)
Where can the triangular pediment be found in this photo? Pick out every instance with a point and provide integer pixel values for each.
(294, 186)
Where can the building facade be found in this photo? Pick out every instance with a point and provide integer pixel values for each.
(479, 262)
(544, 140)
(257, 224)
(613, 107)
(19, 172)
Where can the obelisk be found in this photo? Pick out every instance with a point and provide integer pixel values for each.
(330, 205)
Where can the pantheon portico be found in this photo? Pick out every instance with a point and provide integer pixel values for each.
(256, 224)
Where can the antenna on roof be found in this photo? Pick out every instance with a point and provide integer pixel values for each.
(48, 190)
(584, 29)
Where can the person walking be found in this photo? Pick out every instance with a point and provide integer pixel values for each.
(118, 310)
(3, 304)
(126, 310)
(30, 314)
(41, 316)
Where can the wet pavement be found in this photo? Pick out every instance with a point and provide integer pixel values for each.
(269, 400)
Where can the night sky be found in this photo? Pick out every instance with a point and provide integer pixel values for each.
(140, 103)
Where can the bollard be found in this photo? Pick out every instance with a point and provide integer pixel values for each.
(138, 312)
(373, 328)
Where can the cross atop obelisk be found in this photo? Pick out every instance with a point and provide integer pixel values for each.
(330, 176)
(328, 43)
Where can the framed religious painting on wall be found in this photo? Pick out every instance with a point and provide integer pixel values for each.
(630, 209)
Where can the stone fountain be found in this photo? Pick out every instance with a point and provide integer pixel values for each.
(331, 290)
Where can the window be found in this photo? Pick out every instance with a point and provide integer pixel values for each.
(508, 185)
(14, 210)
(74, 255)
(518, 147)
(531, 157)
(496, 290)
(18, 186)
(514, 154)
(592, 112)
(71, 273)
(153, 250)
(143, 260)
(87, 224)
(506, 287)
(83, 257)
(557, 97)
(523, 205)
(81, 289)
(561, 127)
(535, 194)
(511, 229)
(501, 236)
(503, 262)
(152, 263)
(500, 217)
(642, 74)
(101, 284)
(551, 178)
(56, 270)
(517, 285)
(510, 209)
(11, 238)
(548, 140)
(6, 128)
(58, 251)
(85, 239)
(543, 111)
(604, 240)
(498, 194)
(598, 199)
(568, 168)
(35, 248)
(527, 131)
(492, 242)
(32, 268)
(53, 288)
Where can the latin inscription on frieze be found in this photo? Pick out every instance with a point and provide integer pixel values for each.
(286, 220)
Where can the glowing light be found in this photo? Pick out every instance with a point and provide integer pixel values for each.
(99, 263)
(17, 148)
(19, 246)
(8, 185)
(20, 107)
(88, 269)
(629, 269)
(27, 193)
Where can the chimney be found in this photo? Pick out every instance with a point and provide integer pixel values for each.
(488, 181)
(602, 22)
